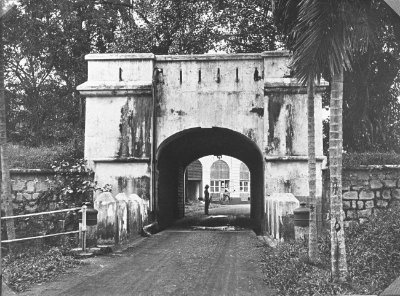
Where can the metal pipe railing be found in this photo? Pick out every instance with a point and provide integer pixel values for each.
(82, 231)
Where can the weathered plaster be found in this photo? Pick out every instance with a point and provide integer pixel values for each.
(130, 116)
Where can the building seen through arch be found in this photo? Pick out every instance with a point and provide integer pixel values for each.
(220, 173)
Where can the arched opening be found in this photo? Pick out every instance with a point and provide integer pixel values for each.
(179, 150)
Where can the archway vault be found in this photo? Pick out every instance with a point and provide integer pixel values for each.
(179, 150)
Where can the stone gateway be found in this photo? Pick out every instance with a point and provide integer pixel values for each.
(149, 116)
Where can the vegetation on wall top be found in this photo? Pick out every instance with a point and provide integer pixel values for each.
(353, 160)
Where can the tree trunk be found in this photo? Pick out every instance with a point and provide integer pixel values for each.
(6, 198)
(338, 247)
(312, 175)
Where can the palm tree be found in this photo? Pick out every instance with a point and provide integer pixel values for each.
(323, 36)
(312, 175)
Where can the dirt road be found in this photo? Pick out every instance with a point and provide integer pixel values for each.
(178, 261)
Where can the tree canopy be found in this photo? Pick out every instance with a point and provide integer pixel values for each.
(371, 117)
(46, 41)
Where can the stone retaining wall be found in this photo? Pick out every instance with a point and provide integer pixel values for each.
(130, 212)
(366, 189)
(26, 187)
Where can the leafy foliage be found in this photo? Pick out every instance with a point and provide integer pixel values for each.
(32, 266)
(73, 186)
(324, 35)
(372, 248)
(371, 90)
(374, 252)
(43, 157)
(287, 270)
(197, 27)
(45, 43)
(371, 116)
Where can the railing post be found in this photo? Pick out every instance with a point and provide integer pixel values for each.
(84, 207)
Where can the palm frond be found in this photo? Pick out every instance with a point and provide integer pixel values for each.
(326, 35)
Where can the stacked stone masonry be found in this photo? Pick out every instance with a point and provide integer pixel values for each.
(27, 186)
(366, 190)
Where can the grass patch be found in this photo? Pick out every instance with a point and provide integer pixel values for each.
(24, 157)
(32, 266)
(373, 256)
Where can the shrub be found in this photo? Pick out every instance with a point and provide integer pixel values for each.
(286, 269)
(74, 185)
(374, 252)
(43, 157)
(373, 257)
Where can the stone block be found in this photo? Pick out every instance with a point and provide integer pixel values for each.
(363, 220)
(369, 204)
(389, 183)
(35, 196)
(365, 213)
(366, 194)
(351, 214)
(31, 209)
(396, 193)
(42, 186)
(386, 194)
(350, 223)
(19, 196)
(346, 204)
(376, 184)
(350, 195)
(377, 194)
(382, 203)
(360, 205)
(15, 205)
(17, 185)
(27, 196)
(354, 204)
(30, 186)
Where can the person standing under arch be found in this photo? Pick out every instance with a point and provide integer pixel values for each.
(207, 199)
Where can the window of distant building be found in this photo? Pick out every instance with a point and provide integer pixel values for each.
(244, 178)
(219, 176)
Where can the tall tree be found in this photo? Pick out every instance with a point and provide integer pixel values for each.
(371, 110)
(196, 27)
(46, 49)
(45, 45)
(323, 36)
(6, 199)
(312, 174)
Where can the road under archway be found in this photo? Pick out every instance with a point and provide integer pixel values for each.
(179, 150)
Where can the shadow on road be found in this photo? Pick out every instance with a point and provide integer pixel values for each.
(227, 217)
